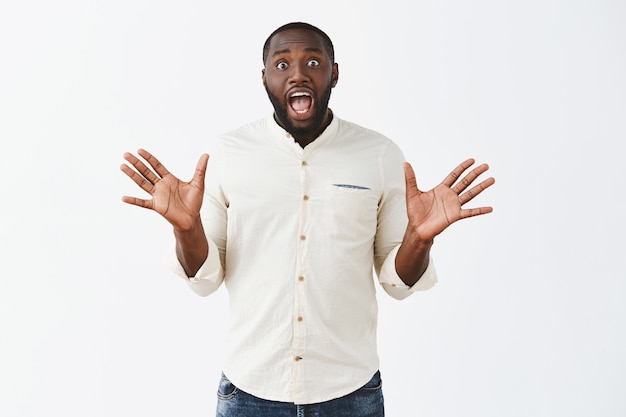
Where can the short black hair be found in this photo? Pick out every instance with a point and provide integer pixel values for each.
(330, 49)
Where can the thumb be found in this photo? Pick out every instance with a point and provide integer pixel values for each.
(410, 181)
(198, 175)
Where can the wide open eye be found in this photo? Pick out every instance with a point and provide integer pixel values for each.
(313, 63)
(282, 65)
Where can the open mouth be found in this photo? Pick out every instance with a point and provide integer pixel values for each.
(300, 102)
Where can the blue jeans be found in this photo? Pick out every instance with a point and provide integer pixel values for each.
(367, 401)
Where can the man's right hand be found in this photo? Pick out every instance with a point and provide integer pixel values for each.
(177, 201)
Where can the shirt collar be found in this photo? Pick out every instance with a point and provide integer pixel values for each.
(325, 136)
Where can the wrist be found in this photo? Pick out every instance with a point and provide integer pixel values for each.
(417, 241)
(188, 229)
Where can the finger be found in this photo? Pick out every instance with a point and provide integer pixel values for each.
(465, 213)
(154, 163)
(141, 168)
(410, 181)
(138, 202)
(457, 172)
(138, 179)
(474, 191)
(198, 176)
(467, 180)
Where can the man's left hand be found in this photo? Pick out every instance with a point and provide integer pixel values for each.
(431, 212)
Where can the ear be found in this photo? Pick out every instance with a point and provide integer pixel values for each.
(263, 76)
(335, 75)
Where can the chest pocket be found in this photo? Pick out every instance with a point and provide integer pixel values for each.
(350, 211)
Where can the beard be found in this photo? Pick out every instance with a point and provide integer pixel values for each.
(313, 128)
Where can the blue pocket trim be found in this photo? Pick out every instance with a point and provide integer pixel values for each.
(354, 187)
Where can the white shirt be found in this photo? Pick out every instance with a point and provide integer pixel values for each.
(294, 234)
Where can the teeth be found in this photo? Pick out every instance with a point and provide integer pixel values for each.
(300, 94)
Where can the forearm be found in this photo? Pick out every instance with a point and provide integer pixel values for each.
(412, 258)
(192, 247)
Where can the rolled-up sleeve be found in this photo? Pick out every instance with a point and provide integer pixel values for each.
(393, 284)
(208, 278)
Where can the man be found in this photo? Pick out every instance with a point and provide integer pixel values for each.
(298, 209)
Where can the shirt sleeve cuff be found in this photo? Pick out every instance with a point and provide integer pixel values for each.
(393, 284)
(208, 278)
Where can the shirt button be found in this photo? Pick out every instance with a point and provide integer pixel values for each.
(302, 237)
(305, 198)
(300, 318)
(393, 285)
(287, 135)
(300, 278)
(304, 163)
(297, 358)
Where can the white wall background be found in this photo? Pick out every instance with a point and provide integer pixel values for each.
(529, 316)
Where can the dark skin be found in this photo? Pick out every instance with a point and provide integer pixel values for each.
(298, 64)
(298, 76)
(431, 212)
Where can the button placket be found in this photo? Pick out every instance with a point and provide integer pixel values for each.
(299, 327)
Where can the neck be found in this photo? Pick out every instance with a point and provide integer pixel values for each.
(304, 139)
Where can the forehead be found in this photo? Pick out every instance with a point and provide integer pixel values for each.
(292, 39)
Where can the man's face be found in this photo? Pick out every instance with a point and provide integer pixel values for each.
(298, 78)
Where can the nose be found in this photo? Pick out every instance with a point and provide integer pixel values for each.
(299, 74)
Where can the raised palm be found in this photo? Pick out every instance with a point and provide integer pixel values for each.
(431, 212)
(177, 201)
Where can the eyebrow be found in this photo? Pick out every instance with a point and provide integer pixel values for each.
(287, 50)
